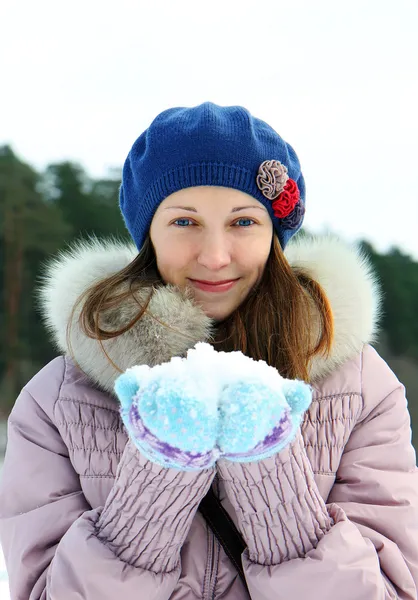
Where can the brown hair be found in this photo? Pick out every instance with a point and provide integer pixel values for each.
(285, 321)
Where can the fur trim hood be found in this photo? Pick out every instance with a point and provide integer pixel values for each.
(344, 274)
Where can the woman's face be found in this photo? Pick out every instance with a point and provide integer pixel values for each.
(214, 240)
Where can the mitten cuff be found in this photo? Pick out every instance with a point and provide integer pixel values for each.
(149, 511)
(280, 510)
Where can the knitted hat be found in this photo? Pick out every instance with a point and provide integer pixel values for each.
(211, 145)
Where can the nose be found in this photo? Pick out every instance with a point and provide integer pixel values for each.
(214, 252)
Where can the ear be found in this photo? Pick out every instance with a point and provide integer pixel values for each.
(298, 395)
(126, 386)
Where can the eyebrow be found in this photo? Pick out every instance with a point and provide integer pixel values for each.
(234, 210)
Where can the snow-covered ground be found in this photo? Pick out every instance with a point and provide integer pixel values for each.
(4, 586)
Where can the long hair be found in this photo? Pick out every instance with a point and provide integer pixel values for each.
(285, 320)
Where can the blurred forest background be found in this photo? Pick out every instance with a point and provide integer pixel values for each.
(41, 212)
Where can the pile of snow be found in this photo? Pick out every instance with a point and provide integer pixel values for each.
(210, 370)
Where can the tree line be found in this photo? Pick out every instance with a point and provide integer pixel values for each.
(41, 212)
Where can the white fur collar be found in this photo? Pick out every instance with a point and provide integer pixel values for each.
(343, 272)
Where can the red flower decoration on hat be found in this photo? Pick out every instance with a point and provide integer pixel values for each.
(286, 202)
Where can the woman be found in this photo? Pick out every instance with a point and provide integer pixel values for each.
(93, 508)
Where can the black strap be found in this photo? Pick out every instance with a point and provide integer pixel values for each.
(224, 529)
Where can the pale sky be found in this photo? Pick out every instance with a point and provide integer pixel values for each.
(81, 80)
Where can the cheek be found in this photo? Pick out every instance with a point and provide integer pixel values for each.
(171, 263)
(254, 257)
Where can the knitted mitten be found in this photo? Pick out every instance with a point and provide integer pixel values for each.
(170, 412)
(260, 413)
(191, 411)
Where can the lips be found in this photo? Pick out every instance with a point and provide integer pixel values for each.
(214, 286)
(224, 281)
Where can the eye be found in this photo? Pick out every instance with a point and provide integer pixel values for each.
(244, 222)
(182, 222)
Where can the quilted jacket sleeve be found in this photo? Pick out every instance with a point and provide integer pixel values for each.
(56, 547)
(363, 543)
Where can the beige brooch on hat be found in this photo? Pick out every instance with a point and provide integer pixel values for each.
(276, 185)
(272, 178)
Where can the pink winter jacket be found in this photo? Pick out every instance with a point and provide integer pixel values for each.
(84, 515)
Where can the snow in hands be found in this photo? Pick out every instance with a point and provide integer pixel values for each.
(189, 412)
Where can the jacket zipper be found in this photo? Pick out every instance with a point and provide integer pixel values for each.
(213, 566)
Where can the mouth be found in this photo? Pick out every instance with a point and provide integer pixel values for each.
(214, 286)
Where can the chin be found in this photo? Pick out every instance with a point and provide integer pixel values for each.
(217, 315)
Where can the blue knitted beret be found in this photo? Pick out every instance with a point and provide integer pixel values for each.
(211, 145)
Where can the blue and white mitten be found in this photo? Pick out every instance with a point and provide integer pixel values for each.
(260, 410)
(192, 411)
(170, 412)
